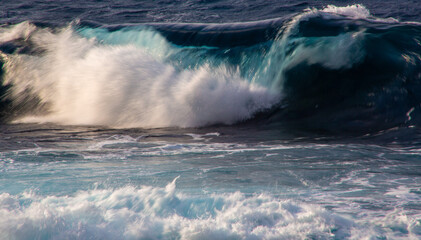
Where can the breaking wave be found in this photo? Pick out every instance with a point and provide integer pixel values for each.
(336, 69)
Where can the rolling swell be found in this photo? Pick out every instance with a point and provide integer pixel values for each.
(352, 75)
(335, 69)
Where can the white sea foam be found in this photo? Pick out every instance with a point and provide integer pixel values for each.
(162, 213)
(23, 30)
(356, 11)
(84, 82)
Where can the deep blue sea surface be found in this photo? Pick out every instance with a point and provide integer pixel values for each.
(210, 119)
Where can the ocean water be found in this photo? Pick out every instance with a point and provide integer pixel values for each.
(210, 119)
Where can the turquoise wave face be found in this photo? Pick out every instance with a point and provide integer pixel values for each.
(246, 60)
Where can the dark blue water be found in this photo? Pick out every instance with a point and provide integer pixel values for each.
(210, 120)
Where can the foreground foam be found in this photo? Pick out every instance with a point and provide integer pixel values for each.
(161, 213)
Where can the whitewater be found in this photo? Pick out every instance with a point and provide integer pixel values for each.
(251, 120)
